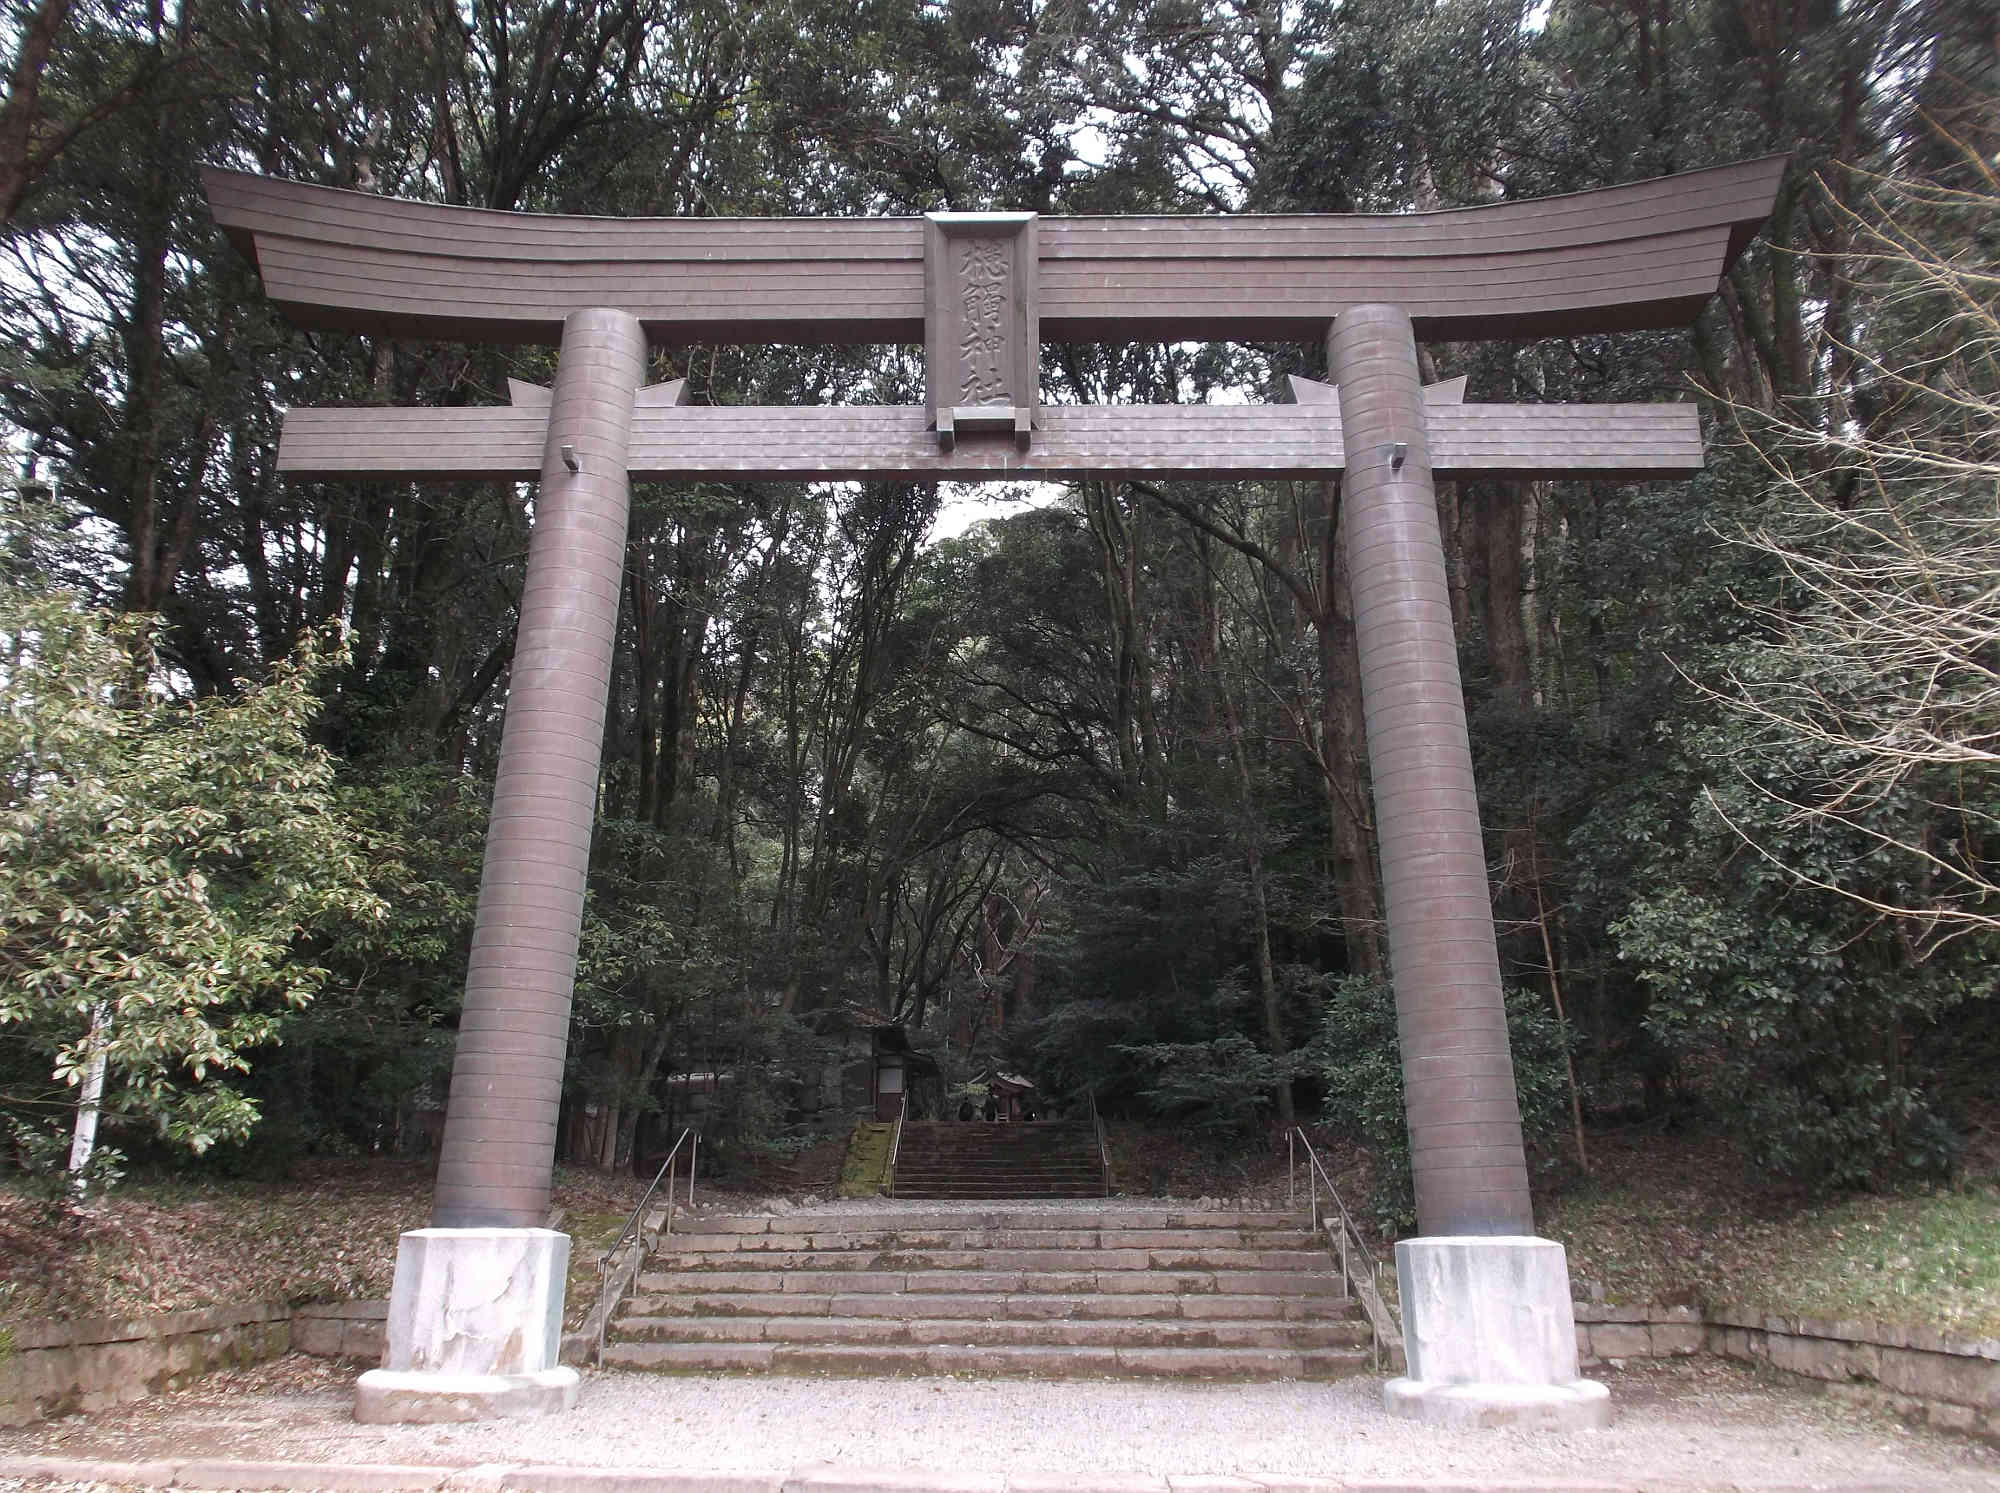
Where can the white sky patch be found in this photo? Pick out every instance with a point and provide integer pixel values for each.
(963, 505)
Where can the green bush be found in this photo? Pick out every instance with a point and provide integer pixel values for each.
(165, 868)
(1219, 1087)
(1806, 1042)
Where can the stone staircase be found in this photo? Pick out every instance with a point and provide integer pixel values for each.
(1045, 1159)
(1110, 1292)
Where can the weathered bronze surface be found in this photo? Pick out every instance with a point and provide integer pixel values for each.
(1458, 1082)
(982, 343)
(980, 292)
(1644, 255)
(746, 442)
(495, 1166)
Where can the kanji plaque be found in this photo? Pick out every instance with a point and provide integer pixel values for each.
(982, 341)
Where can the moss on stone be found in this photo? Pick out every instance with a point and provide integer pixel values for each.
(865, 1173)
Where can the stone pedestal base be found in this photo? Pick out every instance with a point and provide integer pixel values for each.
(1581, 1405)
(475, 1323)
(385, 1397)
(1491, 1337)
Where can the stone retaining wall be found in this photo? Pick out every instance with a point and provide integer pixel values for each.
(342, 1329)
(53, 1366)
(1944, 1381)
(1621, 1332)
(50, 1366)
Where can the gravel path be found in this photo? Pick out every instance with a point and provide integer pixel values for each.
(1691, 1424)
(778, 1207)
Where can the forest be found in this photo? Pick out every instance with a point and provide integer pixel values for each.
(1069, 782)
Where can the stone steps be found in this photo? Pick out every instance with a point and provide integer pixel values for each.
(885, 1360)
(819, 1237)
(976, 1160)
(905, 1222)
(1096, 1292)
(958, 1187)
(999, 1261)
(1081, 1332)
(973, 1305)
(862, 1281)
(973, 1139)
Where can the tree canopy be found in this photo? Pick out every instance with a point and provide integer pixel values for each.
(1080, 788)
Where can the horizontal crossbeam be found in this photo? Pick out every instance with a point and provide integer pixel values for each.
(896, 443)
(1644, 254)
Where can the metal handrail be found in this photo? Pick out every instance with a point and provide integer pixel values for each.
(1103, 1151)
(1386, 1327)
(689, 1136)
(896, 1142)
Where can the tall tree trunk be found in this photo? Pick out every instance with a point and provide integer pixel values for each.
(145, 343)
(644, 604)
(723, 831)
(20, 111)
(679, 702)
(1502, 515)
(1350, 815)
(90, 1100)
(1121, 548)
(1250, 830)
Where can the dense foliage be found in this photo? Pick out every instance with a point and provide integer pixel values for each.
(163, 866)
(1079, 789)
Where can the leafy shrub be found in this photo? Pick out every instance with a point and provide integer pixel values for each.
(162, 868)
(1803, 1036)
(1218, 1087)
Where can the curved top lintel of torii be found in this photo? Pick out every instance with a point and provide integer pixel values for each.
(1645, 254)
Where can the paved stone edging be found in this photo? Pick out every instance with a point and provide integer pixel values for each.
(299, 1477)
(1949, 1382)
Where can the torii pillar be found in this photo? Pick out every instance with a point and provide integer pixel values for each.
(475, 1316)
(1489, 1332)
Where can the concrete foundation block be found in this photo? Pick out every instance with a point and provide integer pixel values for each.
(474, 1329)
(385, 1397)
(1580, 1405)
(1491, 1337)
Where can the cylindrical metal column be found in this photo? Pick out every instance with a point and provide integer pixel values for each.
(506, 1082)
(1458, 1079)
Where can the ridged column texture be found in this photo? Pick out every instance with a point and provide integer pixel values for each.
(495, 1167)
(1465, 1122)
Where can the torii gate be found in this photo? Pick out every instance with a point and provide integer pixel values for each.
(477, 1311)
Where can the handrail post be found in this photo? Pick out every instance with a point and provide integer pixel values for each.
(1381, 1317)
(694, 1154)
(1292, 1169)
(667, 1173)
(896, 1140)
(1103, 1151)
